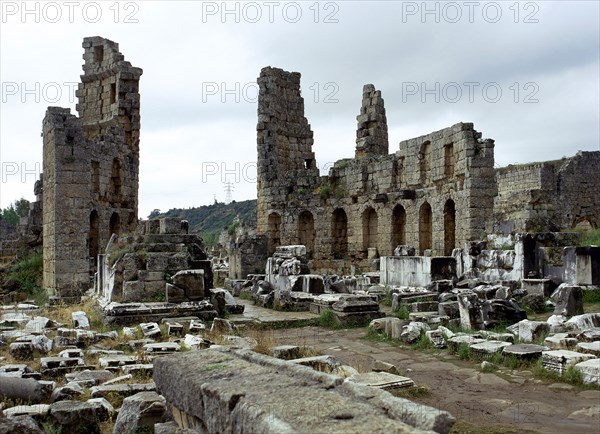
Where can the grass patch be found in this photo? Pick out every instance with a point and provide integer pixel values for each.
(423, 343)
(591, 296)
(411, 392)
(328, 320)
(402, 312)
(463, 352)
(244, 295)
(590, 238)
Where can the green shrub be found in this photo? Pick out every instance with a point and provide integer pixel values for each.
(327, 319)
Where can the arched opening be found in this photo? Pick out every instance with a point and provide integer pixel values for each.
(339, 234)
(449, 227)
(398, 226)
(306, 231)
(273, 232)
(369, 226)
(115, 224)
(115, 186)
(584, 224)
(94, 234)
(425, 227)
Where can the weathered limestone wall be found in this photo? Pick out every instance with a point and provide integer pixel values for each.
(548, 196)
(435, 193)
(90, 168)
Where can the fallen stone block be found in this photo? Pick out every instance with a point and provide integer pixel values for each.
(436, 338)
(589, 348)
(23, 389)
(525, 352)
(382, 380)
(213, 402)
(80, 320)
(138, 369)
(559, 360)
(89, 378)
(75, 417)
(122, 389)
(486, 349)
(569, 300)
(590, 335)
(560, 341)
(286, 352)
(117, 361)
(20, 425)
(412, 332)
(38, 324)
(140, 412)
(528, 331)
(381, 366)
(174, 329)
(584, 322)
(37, 411)
(21, 350)
(150, 329)
(457, 340)
(159, 348)
(590, 371)
(195, 342)
(66, 392)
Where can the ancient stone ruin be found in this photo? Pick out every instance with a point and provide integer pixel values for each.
(90, 169)
(429, 246)
(436, 192)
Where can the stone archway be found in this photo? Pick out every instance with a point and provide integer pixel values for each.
(425, 227)
(339, 234)
(398, 226)
(273, 232)
(449, 227)
(306, 231)
(369, 228)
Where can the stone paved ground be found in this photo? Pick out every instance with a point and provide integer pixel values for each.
(503, 401)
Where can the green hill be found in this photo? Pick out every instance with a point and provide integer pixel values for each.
(209, 221)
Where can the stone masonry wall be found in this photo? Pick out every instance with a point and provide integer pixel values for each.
(548, 196)
(90, 169)
(435, 193)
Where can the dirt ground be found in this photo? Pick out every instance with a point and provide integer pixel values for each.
(505, 401)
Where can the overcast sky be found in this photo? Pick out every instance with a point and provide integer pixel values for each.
(526, 74)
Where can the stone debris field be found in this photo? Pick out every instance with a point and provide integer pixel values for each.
(421, 290)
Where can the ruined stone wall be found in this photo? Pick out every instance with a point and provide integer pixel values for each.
(548, 196)
(435, 193)
(90, 168)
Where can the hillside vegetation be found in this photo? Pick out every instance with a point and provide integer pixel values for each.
(210, 220)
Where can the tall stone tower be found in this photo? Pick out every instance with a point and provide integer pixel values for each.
(91, 168)
(286, 162)
(372, 129)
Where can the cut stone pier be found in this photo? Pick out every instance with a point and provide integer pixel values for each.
(258, 398)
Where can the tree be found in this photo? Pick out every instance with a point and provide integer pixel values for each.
(22, 207)
(155, 213)
(10, 216)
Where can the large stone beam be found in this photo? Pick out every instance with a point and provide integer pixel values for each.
(224, 390)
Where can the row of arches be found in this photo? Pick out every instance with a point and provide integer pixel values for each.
(306, 233)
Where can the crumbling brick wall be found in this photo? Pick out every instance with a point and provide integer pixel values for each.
(435, 192)
(91, 165)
